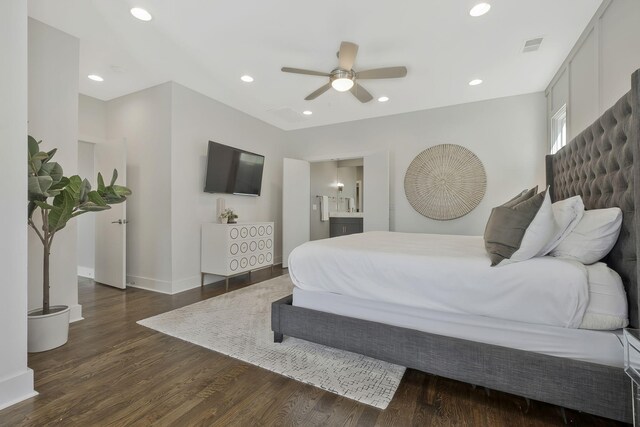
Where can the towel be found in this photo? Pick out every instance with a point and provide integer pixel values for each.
(351, 205)
(324, 208)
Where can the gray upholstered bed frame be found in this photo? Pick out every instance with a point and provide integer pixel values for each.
(602, 164)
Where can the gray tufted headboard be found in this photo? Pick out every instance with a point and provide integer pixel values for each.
(602, 165)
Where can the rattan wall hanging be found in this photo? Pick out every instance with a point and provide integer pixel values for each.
(445, 182)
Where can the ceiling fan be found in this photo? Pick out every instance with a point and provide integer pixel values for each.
(344, 78)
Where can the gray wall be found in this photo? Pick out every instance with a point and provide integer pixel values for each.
(507, 134)
(598, 70)
(323, 181)
(53, 117)
(16, 380)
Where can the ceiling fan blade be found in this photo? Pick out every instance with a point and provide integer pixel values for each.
(318, 92)
(383, 73)
(361, 93)
(347, 55)
(307, 72)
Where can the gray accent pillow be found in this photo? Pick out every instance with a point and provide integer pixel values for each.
(507, 225)
(524, 195)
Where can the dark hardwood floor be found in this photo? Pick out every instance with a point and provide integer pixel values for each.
(115, 372)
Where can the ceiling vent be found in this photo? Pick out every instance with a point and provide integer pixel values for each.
(532, 45)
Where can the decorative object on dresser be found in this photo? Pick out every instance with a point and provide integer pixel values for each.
(230, 250)
(445, 182)
(228, 216)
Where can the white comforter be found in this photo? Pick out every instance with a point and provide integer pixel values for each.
(444, 273)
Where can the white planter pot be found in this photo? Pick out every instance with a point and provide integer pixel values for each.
(48, 331)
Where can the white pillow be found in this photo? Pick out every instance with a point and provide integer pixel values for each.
(540, 231)
(593, 238)
(567, 213)
(607, 309)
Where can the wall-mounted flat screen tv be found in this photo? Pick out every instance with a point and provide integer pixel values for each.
(233, 171)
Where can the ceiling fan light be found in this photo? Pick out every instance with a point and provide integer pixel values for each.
(342, 84)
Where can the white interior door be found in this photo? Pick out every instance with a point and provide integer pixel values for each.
(111, 228)
(376, 192)
(296, 196)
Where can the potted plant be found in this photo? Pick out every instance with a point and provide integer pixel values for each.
(228, 216)
(58, 199)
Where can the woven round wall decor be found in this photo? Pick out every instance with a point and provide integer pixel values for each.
(445, 182)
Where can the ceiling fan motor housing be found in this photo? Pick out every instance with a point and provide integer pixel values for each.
(342, 80)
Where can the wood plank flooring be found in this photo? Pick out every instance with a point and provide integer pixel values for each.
(115, 372)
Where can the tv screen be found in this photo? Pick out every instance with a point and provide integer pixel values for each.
(233, 171)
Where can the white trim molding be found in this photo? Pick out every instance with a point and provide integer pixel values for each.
(16, 388)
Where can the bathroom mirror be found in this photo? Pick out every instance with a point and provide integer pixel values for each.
(349, 183)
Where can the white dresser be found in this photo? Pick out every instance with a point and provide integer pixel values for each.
(232, 249)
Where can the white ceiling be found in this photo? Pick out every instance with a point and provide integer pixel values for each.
(207, 45)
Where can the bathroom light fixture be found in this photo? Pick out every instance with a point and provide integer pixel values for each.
(383, 99)
(475, 82)
(340, 186)
(141, 14)
(479, 9)
(307, 112)
(95, 78)
(246, 78)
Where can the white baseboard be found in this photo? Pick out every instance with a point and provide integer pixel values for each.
(76, 313)
(16, 388)
(185, 284)
(86, 272)
(148, 284)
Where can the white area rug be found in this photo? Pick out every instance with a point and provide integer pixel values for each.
(238, 324)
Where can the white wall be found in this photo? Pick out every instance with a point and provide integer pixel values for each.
(86, 223)
(196, 119)
(598, 70)
(143, 119)
(16, 380)
(53, 118)
(92, 119)
(507, 134)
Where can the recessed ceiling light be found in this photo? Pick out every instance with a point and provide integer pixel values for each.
(246, 78)
(383, 99)
(95, 78)
(307, 112)
(479, 9)
(475, 82)
(141, 14)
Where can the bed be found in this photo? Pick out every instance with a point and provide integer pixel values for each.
(547, 359)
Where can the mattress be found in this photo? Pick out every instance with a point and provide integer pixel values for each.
(602, 347)
(449, 274)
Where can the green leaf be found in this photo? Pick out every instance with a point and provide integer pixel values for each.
(92, 207)
(101, 186)
(96, 198)
(33, 146)
(41, 155)
(121, 191)
(74, 186)
(114, 177)
(84, 191)
(51, 153)
(62, 211)
(60, 184)
(53, 169)
(38, 186)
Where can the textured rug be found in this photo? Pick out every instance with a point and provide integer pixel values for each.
(238, 324)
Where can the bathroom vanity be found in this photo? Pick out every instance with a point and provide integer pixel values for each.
(344, 223)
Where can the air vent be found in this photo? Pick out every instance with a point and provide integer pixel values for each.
(532, 45)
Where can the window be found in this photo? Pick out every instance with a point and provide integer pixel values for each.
(559, 129)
